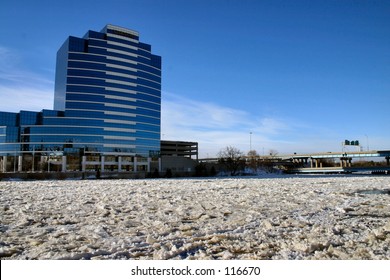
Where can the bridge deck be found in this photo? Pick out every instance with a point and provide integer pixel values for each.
(341, 154)
(378, 169)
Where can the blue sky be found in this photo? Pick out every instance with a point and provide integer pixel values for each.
(293, 76)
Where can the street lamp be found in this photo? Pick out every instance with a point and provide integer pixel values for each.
(368, 147)
(250, 141)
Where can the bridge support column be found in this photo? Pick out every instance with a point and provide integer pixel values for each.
(317, 162)
(343, 162)
(388, 160)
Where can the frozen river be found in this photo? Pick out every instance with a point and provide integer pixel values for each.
(339, 217)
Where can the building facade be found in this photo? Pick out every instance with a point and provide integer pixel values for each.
(107, 109)
(179, 149)
(179, 156)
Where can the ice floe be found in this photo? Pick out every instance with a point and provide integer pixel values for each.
(339, 217)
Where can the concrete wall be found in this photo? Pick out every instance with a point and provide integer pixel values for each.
(178, 164)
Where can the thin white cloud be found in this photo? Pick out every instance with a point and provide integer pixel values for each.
(215, 127)
(15, 99)
(21, 89)
(202, 115)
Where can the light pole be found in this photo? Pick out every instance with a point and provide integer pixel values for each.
(368, 147)
(250, 141)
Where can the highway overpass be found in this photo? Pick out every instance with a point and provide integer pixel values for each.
(319, 162)
(314, 162)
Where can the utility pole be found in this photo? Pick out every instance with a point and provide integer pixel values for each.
(250, 141)
(368, 147)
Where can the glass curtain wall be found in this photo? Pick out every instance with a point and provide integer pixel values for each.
(107, 101)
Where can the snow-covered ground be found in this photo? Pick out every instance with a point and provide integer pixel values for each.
(312, 217)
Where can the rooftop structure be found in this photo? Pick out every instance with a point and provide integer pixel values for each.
(179, 149)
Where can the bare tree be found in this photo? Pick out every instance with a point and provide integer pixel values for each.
(232, 158)
(253, 154)
(253, 159)
(273, 153)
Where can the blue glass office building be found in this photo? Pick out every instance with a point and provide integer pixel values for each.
(107, 108)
